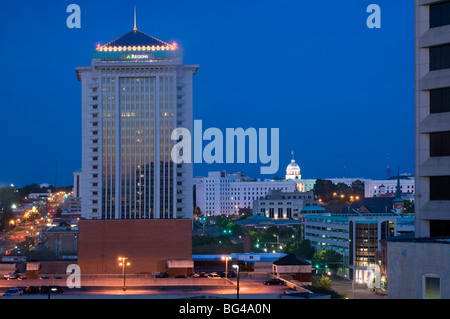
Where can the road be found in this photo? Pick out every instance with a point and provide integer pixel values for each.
(355, 290)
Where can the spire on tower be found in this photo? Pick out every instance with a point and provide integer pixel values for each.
(134, 29)
(398, 192)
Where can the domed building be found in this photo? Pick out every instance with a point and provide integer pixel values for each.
(293, 170)
(293, 173)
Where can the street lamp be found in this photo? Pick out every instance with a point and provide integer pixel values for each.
(50, 290)
(226, 265)
(123, 262)
(237, 286)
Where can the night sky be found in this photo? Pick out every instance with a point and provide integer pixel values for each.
(341, 94)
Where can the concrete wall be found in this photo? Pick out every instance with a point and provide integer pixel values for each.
(410, 261)
(147, 244)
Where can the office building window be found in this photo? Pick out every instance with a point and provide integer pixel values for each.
(439, 14)
(431, 286)
(439, 228)
(440, 144)
(440, 100)
(440, 188)
(440, 57)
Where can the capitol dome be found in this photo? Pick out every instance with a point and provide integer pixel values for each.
(293, 170)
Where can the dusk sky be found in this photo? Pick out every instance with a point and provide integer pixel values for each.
(341, 94)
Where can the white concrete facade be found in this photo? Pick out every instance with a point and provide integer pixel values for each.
(375, 188)
(418, 268)
(222, 193)
(130, 106)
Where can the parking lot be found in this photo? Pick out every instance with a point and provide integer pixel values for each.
(39, 288)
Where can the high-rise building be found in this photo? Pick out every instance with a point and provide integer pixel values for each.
(136, 201)
(419, 267)
(134, 94)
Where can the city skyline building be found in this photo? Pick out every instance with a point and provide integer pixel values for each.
(135, 201)
(418, 267)
(134, 94)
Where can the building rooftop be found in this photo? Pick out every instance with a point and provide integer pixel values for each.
(136, 40)
(289, 260)
(410, 237)
(371, 204)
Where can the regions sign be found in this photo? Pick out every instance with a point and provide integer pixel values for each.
(138, 56)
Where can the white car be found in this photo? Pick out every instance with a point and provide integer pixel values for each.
(213, 276)
(11, 275)
(14, 292)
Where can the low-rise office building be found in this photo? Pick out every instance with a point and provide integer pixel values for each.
(283, 205)
(356, 232)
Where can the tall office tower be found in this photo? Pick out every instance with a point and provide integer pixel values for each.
(419, 267)
(134, 94)
(136, 201)
(433, 118)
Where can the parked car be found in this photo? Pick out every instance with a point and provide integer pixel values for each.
(273, 282)
(162, 275)
(44, 289)
(231, 274)
(31, 290)
(196, 275)
(14, 292)
(11, 275)
(45, 277)
(213, 276)
(57, 277)
(56, 289)
(22, 278)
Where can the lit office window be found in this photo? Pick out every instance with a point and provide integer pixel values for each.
(432, 287)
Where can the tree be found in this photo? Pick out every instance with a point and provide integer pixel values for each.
(301, 248)
(323, 188)
(325, 282)
(287, 232)
(222, 221)
(409, 207)
(5, 218)
(9, 196)
(31, 188)
(358, 188)
(270, 234)
(327, 258)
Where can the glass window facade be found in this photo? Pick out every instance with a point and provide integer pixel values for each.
(440, 144)
(108, 95)
(440, 100)
(440, 14)
(366, 244)
(136, 146)
(440, 188)
(440, 57)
